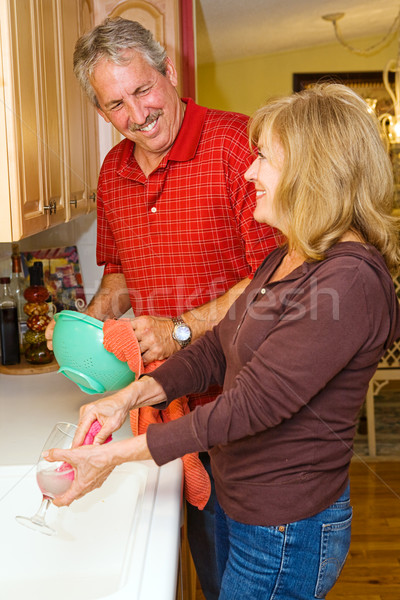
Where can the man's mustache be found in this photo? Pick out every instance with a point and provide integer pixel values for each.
(150, 119)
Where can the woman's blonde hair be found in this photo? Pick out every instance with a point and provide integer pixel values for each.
(336, 173)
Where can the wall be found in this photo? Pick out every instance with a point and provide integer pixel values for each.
(244, 85)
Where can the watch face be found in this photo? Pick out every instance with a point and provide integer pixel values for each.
(182, 333)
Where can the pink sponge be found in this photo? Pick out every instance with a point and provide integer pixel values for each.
(91, 434)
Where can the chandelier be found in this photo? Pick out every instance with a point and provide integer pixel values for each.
(390, 123)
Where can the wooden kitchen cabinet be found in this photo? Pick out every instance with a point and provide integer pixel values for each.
(48, 132)
(81, 140)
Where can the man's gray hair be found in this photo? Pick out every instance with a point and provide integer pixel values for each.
(110, 40)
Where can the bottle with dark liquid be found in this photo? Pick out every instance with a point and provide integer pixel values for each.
(9, 332)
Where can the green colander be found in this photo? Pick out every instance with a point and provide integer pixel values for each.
(79, 351)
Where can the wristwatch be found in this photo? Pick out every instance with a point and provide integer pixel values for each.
(181, 332)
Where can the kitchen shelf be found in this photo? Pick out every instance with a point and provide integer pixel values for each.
(26, 368)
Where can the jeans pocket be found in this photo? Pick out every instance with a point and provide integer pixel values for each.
(335, 544)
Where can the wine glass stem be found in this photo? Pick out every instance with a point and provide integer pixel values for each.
(38, 518)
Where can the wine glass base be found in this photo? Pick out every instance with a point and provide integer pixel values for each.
(36, 525)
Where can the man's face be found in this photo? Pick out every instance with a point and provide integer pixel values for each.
(141, 103)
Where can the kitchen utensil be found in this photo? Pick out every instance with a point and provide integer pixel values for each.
(79, 351)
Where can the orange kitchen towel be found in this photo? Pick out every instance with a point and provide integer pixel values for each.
(120, 339)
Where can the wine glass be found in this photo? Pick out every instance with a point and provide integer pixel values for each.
(53, 478)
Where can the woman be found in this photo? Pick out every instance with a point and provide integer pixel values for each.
(295, 356)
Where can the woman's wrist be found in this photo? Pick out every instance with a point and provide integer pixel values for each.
(129, 450)
(145, 392)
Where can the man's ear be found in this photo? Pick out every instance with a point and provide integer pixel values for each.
(171, 72)
(102, 114)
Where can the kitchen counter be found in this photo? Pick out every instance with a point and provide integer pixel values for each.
(139, 508)
(29, 407)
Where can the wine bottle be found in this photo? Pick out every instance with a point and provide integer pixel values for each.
(17, 287)
(9, 334)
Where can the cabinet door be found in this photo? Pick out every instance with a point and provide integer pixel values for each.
(53, 125)
(6, 99)
(33, 117)
(48, 146)
(24, 122)
(91, 121)
(81, 144)
(75, 165)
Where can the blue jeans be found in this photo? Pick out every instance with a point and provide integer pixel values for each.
(295, 561)
(201, 538)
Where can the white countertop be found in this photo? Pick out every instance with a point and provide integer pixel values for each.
(149, 526)
(29, 407)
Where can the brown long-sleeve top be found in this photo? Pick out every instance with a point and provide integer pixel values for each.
(295, 357)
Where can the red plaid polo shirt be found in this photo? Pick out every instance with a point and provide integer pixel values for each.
(186, 233)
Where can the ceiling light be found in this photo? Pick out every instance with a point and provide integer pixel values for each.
(390, 122)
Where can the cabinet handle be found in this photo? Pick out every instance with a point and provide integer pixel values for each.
(93, 197)
(74, 201)
(51, 206)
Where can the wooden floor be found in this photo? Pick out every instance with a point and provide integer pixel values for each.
(372, 570)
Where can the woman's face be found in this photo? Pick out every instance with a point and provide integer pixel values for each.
(266, 176)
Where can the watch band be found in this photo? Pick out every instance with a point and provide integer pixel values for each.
(178, 321)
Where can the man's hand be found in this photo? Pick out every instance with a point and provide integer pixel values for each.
(49, 334)
(110, 301)
(154, 335)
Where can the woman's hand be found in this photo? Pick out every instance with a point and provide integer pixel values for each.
(112, 411)
(93, 464)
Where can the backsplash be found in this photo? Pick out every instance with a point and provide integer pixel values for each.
(80, 232)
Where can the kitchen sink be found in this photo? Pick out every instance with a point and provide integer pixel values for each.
(120, 541)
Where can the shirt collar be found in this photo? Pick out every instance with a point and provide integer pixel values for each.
(187, 140)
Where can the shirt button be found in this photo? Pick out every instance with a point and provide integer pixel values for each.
(153, 210)
(263, 291)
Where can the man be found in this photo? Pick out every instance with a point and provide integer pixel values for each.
(176, 233)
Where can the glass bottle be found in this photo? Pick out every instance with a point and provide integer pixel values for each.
(36, 351)
(9, 334)
(17, 287)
